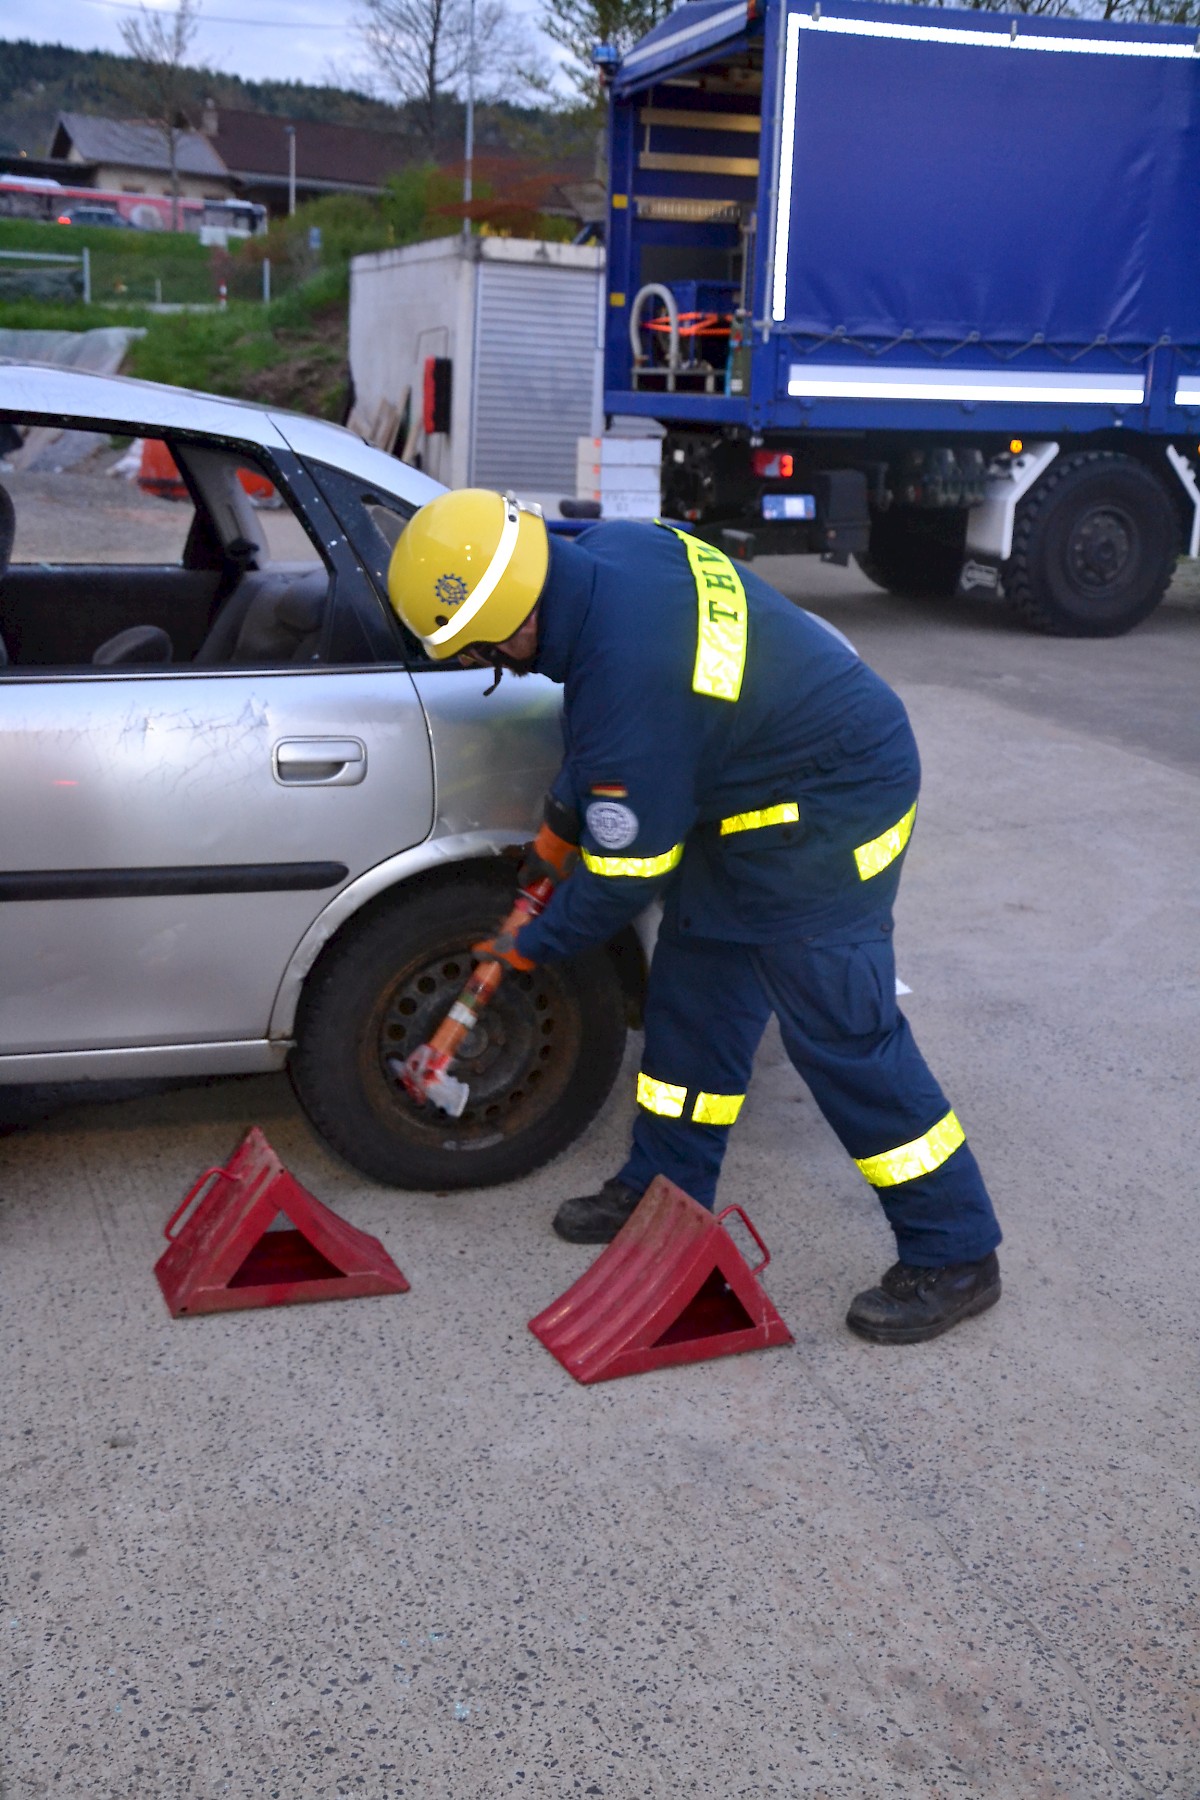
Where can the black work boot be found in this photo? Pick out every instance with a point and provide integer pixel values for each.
(596, 1218)
(912, 1304)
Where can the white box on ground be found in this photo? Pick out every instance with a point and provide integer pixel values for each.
(620, 452)
(620, 481)
(636, 504)
(623, 473)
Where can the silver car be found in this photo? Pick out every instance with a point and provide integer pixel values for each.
(245, 822)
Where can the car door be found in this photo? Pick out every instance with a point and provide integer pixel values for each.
(169, 833)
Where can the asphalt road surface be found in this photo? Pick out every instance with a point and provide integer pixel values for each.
(387, 1547)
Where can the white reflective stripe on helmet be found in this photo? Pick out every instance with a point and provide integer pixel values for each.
(488, 581)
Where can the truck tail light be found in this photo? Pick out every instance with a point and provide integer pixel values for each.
(773, 465)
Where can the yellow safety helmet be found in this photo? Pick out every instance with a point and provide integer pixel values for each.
(468, 568)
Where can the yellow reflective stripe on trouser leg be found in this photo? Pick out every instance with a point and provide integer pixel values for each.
(633, 865)
(716, 1109)
(721, 633)
(660, 1097)
(921, 1157)
(874, 857)
(787, 814)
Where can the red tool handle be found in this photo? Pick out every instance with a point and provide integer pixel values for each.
(434, 1058)
(766, 1254)
(169, 1227)
(487, 977)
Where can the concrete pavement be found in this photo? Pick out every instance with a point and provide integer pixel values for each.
(388, 1548)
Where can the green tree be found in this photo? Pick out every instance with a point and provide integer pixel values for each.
(576, 25)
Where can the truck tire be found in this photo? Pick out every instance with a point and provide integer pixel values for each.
(916, 555)
(540, 1063)
(1094, 546)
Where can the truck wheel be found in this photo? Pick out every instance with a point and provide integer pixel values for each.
(916, 555)
(539, 1064)
(1094, 547)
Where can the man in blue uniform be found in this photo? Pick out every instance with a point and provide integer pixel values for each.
(729, 752)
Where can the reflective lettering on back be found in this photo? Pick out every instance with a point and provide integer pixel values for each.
(721, 634)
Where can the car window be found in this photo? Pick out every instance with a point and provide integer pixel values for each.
(86, 497)
(132, 551)
(374, 521)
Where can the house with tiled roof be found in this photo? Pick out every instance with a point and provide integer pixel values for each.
(131, 156)
(256, 148)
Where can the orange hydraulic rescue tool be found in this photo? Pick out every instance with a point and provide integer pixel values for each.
(426, 1073)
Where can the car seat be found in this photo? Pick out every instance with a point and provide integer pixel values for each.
(274, 615)
(140, 644)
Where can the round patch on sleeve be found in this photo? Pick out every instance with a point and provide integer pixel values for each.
(612, 825)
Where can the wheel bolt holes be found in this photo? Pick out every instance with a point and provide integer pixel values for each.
(426, 985)
(407, 1006)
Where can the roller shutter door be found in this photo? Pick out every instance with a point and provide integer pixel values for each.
(535, 370)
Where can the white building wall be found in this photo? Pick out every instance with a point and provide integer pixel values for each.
(422, 300)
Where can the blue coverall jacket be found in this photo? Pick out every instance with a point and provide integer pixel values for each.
(727, 749)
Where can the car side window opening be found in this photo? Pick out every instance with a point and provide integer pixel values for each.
(373, 521)
(128, 551)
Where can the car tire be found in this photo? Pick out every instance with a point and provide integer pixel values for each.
(1094, 547)
(540, 1064)
(916, 555)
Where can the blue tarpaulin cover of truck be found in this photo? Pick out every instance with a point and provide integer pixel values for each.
(963, 178)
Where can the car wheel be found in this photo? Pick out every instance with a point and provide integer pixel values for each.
(540, 1063)
(916, 555)
(1094, 547)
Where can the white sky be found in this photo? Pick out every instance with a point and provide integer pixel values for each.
(285, 40)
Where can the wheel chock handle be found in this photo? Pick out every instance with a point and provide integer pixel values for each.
(766, 1254)
(192, 1193)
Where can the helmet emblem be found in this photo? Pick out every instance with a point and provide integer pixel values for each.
(451, 590)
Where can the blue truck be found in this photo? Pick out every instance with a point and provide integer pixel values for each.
(919, 286)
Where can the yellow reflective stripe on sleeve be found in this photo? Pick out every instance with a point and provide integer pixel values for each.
(787, 814)
(721, 637)
(921, 1157)
(660, 1097)
(633, 865)
(716, 1109)
(874, 857)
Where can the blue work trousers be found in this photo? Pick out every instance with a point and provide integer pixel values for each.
(707, 1007)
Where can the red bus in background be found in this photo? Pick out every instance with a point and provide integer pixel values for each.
(52, 202)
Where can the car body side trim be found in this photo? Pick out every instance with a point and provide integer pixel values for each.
(204, 878)
(145, 1062)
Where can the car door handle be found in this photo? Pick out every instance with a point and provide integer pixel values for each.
(319, 762)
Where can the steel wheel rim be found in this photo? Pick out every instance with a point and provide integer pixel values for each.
(516, 1062)
(1102, 548)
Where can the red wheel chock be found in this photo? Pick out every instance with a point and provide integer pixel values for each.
(672, 1287)
(225, 1256)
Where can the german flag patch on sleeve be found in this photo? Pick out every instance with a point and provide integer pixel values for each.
(609, 790)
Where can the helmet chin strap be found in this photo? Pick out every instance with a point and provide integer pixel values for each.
(501, 660)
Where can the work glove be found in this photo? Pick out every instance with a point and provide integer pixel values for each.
(502, 948)
(549, 858)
